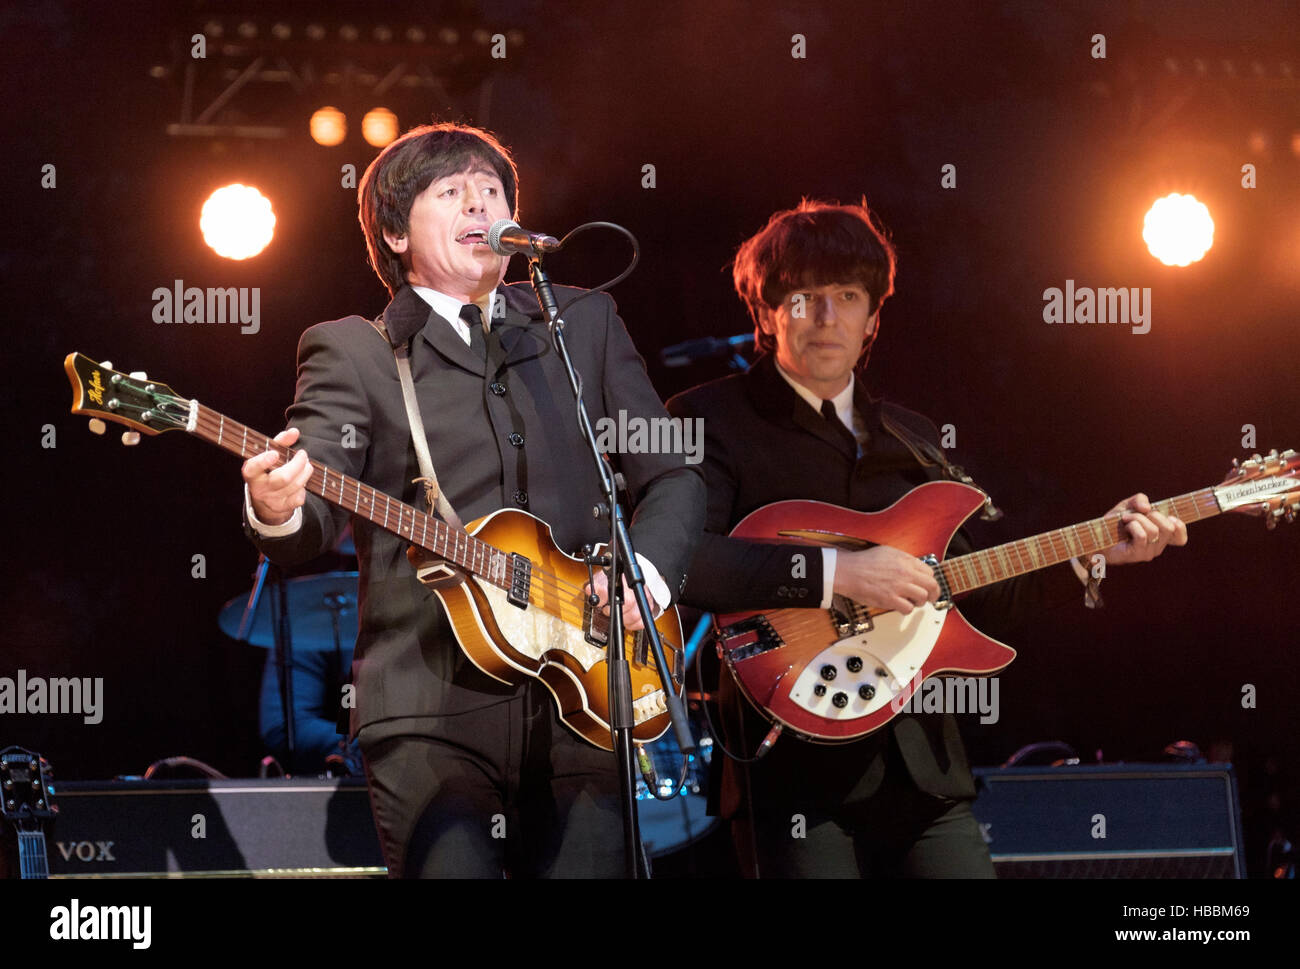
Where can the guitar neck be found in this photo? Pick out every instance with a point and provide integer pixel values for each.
(968, 572)
(432, 534)
(32, 861)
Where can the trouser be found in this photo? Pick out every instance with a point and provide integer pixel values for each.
(898, 832)
(506, 790)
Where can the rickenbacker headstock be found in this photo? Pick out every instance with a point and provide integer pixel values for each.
(26, 790)
(144, 405)
(1268, 486)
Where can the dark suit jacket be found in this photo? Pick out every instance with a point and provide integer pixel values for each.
(409, 674)
(764, 443)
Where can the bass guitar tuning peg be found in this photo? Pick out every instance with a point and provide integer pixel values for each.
(97, 426)
(141, 375)
(130, 437)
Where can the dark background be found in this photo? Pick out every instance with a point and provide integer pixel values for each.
(1058, 155)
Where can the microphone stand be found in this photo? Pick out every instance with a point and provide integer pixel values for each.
(620, 560)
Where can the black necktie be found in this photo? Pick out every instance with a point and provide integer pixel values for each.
(473, 317)
(837, 425)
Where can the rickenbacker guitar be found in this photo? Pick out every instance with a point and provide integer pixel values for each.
(513, 598)
(835, 675)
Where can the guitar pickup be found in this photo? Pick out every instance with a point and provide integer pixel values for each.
(521, 580)
(595, 625)
(850, 618)
(749, 637)
(945, 594)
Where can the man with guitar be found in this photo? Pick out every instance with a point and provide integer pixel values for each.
(799, 425)
(469, 777)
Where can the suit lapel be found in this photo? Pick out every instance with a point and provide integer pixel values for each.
(776, 399)
(521, 331)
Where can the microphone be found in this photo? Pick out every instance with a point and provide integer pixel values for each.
(705, 348)
(506, 238)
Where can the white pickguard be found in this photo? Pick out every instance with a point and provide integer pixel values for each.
(534, 632)
(897, 647)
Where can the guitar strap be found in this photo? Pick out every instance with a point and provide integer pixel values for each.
(433, 495)
(929, 456)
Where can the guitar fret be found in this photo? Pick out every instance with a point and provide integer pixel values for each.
(1005, 562)
(1066, 539)
(1099, 532)
(221, 427)
(1035, 553)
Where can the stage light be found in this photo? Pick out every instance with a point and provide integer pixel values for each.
(379, 127)
(237, 221)
(328, 126)
(1178, 230)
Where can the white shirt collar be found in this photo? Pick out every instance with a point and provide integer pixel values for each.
(843, 401)
(448, 307)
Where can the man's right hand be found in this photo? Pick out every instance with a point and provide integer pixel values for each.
(276, 491)
(885, 577)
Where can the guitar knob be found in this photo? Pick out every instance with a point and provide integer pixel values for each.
(829, 671)
(854, 664)
(819, 689)
(841, 700)
(866, 691)
(130, 437)
(97, 426)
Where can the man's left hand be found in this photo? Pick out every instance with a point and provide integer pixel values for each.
(1149, 532)
(631, 614)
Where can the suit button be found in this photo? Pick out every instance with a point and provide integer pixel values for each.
(497, 387)
(521, 498)
(516, 439)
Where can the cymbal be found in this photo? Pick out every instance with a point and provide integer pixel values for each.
(314, 600)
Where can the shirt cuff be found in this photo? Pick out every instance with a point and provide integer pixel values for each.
(828, 577)
(271, 531)
(654, 584)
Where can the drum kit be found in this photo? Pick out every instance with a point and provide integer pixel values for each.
(320, 615)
